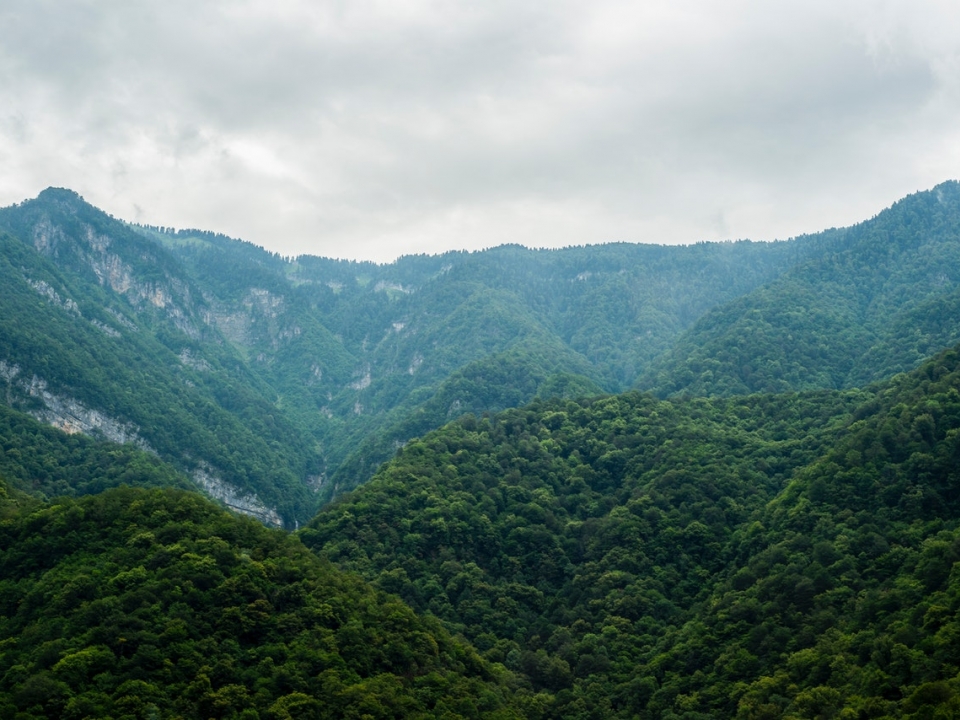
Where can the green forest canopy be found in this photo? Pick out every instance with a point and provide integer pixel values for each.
(773, 555)
(157, 604)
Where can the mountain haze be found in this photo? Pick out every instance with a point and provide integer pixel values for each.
(275, 383)
(102, 332)
(877, 300)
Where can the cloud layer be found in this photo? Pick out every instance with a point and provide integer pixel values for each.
(375, 128)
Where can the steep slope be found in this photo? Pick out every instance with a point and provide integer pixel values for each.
(850, 599)
(160, 605)
(543, 533)
(277, 383)
(364, 354)
(46, 462)
(616, 305)
(496, 382)
(765, 556)
(880, 300)
(102, 333)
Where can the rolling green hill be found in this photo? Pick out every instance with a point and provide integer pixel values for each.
(766, 556)
(554, 550)
(793, 555)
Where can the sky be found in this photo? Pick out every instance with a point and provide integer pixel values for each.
(371, 129)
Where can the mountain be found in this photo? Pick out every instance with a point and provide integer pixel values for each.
(884, 296)
(44, 462)
(102, 333)
(790, 555)
(276, 383)
(363, 353)
(580, 554)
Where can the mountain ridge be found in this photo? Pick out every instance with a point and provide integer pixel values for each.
(323, 368)
(320, 359)
(827, 322)
(753, 557)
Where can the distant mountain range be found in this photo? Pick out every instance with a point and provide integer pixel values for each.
(275, 384)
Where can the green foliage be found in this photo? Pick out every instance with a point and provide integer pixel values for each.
(545, 533)
(766, 556)
(368, 356)
(319, 369)
(791, 555)
(494, 383)
(46, 462)
(139, 604)
(851, 604)
(129, 345)
(12, 500)
(876, 300)
(203, 345)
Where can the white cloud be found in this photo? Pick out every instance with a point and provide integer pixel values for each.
(369, 129)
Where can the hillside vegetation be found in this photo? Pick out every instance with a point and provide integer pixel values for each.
(133, 366)
(767, 556)
(884, 296)
(157, 604)
(275, 383)
(194, 345)
(368, 356)
(45, 462)
(774, 534)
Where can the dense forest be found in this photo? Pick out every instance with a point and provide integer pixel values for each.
(45, 462)
(148, 604)
(73, 355)
(625, 481)
(195, 345)
(202, 344)
(791, 555)
(368, 356)
(762, 556)
(879, 301)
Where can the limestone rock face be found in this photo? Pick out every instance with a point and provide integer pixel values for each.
(245, 503)
(66, 413)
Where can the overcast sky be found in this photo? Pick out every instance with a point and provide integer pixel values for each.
(372, 129)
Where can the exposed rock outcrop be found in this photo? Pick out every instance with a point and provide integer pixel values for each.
(68, 414)
(246, 503)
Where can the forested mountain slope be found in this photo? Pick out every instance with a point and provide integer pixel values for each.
(102, 333)
(157, 604)
(755, 556)
(364, 353)
(765, 556)
(272, 383)
(885, 296)
(45, 462)
(275, 383)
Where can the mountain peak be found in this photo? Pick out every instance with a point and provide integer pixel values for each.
(63, 197)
